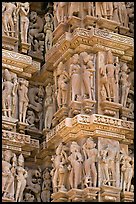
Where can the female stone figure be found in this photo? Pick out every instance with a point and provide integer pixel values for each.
(23, 99)
(90, 153)
(8, 18)
(21, 178)
(49, 107)
(7, 93)
(59, 171)
(23, 9)
(75, 158)
(123, 15)
(86, 74)
(75, 74)
(14, 94)
(7, 175)
(62, 85)
(125, 84)
(48, 29)
(46, 186)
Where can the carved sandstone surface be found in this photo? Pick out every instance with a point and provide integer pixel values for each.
(67, 102)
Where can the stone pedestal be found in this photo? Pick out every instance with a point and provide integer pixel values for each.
(59, 31)
(88, 105)
(123, 30)
(59, 197)
(110, 108)
(91, 194)
(75, 195)
(25, 47)
(74, 22)
(75, 108)
(9, 123)
(109, 194)
(9, 42)
(4, 200)
(127, 196)
(107, 24)
(125, 113)
(89, 21)
(22, 127)
(35, 133)
(61, 114)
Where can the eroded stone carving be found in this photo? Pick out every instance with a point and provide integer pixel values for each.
(14, 96)
(7, 93)
(59, 171)
(21, 175)
(35, 107)
(36, 35)
(76, 165)
(23, 10)
(8, 171)
(9, 18)
(124, 84)
(46, 186)
(23, 99)
(90, 154)
(74, 73)
(33, 183)
(49, 106)
(48, 31)
(62, 88)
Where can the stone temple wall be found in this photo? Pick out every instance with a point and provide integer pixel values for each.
(67, 101)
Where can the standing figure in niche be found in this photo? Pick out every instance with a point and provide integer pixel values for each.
(59, 171)
(21, 179)
(117, 70)
(48, 29)
(75, 158)
(110, 70)
(74, 9)
(116, 12)
(125, 84)
(86, 75)
(8, 18)
(46, 186)
(23, 99)
(62, 85)
(49, 107)
(14, 94)
(23, 9)
(7, 175)
(123, 15)
(75, 74)
(62, 11)
(90, 153)
(7, 93)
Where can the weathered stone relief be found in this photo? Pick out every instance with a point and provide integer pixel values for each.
(13, 176)
(48, 31)
(36, 35)
(46, 186)
(33, 184)
(35, 107)
(9, 18)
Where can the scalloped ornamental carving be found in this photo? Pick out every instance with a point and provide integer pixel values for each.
(16, 59)
(15, 137)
